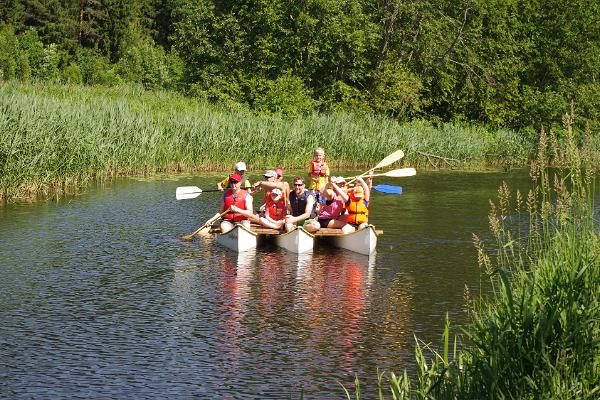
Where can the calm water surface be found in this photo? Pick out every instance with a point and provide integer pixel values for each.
(99, 298)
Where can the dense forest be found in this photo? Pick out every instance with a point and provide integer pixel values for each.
(511, 63)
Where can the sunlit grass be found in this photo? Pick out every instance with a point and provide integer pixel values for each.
(537, 335)
(56, 137)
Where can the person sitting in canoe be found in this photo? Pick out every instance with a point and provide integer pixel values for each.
(301, 208)
(286, 186)
(275, 210)
(357, 206)
(318, 172)
(332, 206)
(269, 184)
(240, 169)
(239, 203)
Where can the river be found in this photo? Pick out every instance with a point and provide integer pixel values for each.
(99, 298)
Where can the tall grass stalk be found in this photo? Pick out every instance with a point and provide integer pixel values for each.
(55, 137)
(537, 335)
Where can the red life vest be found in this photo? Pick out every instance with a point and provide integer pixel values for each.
(277, 210)
(239, 201)
(358, 211)
(318, 168)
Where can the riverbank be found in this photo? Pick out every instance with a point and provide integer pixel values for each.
(538, 334)
(56, 138)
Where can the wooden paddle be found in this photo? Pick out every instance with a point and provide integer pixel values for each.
(395, 173)
(389, 160)
(205, 226)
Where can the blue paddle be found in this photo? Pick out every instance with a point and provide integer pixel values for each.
(389, 189)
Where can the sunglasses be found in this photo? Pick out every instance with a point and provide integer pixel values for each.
(298, 184)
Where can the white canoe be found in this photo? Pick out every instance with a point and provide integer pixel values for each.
(296, 241)
(238, 239)
(363, 241)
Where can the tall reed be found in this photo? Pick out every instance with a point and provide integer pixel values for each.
(537, 335)
(55, 136)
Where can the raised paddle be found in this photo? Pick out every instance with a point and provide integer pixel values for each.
(190, 192)
(389, 160)
(388, 189)
(395, 173)
(205, 226)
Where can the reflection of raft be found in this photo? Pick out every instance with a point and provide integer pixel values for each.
(299, 241)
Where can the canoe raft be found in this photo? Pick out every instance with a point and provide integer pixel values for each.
(241, 239)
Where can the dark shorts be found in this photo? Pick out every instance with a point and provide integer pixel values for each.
(324, 222)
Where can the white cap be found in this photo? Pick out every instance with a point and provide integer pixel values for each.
(270, 174)
(338, 179)
(241, 166)
(276, 194)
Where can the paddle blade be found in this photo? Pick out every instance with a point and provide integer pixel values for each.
(187, 192)
(392, 158)
(398, 173)
(388, 189)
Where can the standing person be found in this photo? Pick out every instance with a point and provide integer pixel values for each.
(318, 172)
(239, 203)
(302, 208)
(240, 169)
(275, 210)
(332, 206)
(357, 206)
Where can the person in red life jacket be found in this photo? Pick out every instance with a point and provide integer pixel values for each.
(269, 184)
(331, 207)
(286, 186)
(275, 210)
(301, 208)
(318, 171)
(357, 206)
(239, 202)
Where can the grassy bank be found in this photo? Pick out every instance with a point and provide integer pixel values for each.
(54, 137)
(538, 335)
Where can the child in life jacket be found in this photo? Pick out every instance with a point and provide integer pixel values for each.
(357, 206)
(275, 210)
(318, 172)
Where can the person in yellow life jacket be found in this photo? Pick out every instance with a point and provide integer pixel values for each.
(318, 171)
(275, 210)
(239, 203)
(357, 206)
(240, 169)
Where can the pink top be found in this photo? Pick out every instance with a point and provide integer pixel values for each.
(333, 210)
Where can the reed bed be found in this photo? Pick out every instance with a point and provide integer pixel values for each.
(537, 336)
(57, 137)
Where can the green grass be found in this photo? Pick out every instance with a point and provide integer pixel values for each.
(537, 336)
(55, 137)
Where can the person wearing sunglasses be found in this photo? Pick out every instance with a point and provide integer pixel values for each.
(239, 203)
(302, 208)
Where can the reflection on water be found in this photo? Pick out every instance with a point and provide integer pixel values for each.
(98, 297)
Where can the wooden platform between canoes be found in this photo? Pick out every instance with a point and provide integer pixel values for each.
(260, 230)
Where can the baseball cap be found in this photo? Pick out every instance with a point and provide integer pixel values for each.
(270, 174)
(235, 178)
(276, 194)
(241, 166)
(279, 172)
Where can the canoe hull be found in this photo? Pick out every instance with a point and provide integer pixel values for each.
(238, 239)
(363, 241)
(296, 241)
